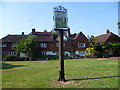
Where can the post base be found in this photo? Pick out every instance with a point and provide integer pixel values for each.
(61, 76)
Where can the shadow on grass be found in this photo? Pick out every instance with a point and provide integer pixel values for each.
(4, 65)
(92, 78)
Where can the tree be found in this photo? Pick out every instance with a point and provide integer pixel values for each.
(26, 46)
(91, 40)
(118, 25)
(45, 30)
(106, 48)
(91, 52)
(54, 32)
(116, 49)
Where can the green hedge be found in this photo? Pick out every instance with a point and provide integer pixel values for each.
(15, 58)
(48, 57)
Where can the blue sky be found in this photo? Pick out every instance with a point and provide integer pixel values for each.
(92, 18)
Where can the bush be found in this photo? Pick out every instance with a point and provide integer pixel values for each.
(48, 57)
(11, 58)
(23, 59)
(16, 58)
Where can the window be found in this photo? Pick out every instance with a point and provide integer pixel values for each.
(43, 53)
(12, 53)
(81, 45)
(82, 53)
(3, 44)
(57, 44)
(109, 42)
(13, 44)
(43, 45)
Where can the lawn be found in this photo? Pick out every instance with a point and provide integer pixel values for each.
(80, 73)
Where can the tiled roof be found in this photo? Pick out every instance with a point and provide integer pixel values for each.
(80, 35)
(13, 38)
(73, 35)
(44, 38)
(109, 37)
(41, 33)
(41, 37)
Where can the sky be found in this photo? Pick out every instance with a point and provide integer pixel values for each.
(92, 18)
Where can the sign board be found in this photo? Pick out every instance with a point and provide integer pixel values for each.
(60, 17)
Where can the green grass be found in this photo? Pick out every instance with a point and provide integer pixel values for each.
(82, 73)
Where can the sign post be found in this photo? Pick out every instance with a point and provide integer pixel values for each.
(60, 24)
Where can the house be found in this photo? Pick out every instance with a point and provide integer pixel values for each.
(48, 43)
(109, 38)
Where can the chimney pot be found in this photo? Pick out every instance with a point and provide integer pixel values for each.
(33, 29)
(107, 30)
(22, 33)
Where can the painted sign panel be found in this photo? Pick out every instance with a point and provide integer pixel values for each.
(60, 17)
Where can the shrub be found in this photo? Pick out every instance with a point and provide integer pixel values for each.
(48, 57)
(16, 58)
(23, 59)
(11, 58)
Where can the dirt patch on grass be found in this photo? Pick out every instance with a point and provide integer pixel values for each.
(102, 58)
(112, 58)
(57, 84)
(112, 63)
(116, 58)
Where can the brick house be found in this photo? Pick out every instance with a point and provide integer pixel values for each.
(48, 42)
(109, 38)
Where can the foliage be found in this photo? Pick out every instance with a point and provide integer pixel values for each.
(91, 52)
(116, 49)
(118, 25)
(91, 40)
(45, 30)
(26, 46)
(54, 32)
(77, 56)
(10, 58)
(104, 48)
(48, 57)
(82, 73)
(15, 58)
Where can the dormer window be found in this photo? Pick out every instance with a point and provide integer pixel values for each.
(81, 45)
(43, 45)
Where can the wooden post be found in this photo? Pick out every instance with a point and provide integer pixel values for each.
(61, 57)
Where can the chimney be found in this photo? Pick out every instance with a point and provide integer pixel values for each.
(22, 33)
(68, 32)
(33, 30)
(107, 30)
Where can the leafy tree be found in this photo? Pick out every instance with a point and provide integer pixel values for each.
(91, 52)
(54, 32)
(45, 31)
(26, 46)
(106, 46)
(91, 40)
(118, 25)
(116, 49)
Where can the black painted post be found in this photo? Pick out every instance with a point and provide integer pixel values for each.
(61, 57)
